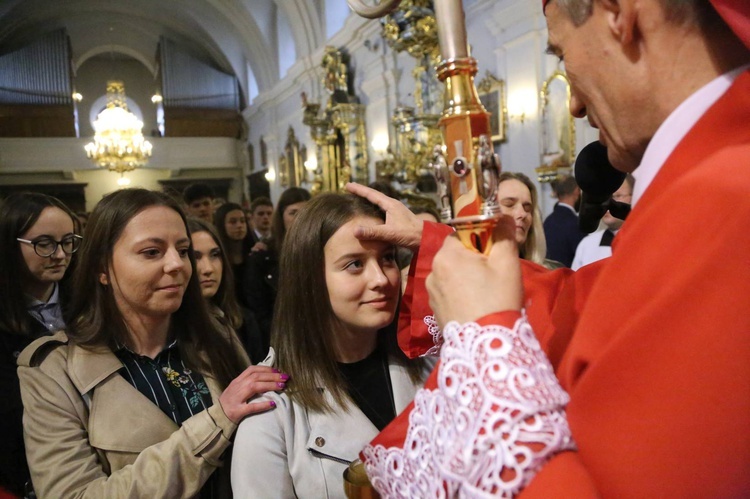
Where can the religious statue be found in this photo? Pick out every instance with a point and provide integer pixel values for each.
(335, 77)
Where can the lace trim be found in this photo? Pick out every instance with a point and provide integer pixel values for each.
(495, 418)
(437, 336)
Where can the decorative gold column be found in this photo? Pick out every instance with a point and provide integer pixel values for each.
(469, 169)
(412, 28)
(338, 130)
(349, 119)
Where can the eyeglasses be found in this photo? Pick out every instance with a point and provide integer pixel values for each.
(46, 246)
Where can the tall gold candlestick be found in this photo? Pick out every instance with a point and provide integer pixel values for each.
(468, 170)
(471, 167)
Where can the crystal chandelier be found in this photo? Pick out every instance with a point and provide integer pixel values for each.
(118, 141)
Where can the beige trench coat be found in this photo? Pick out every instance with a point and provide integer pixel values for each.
(89, 433)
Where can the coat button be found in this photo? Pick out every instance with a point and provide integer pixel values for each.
(320, 441)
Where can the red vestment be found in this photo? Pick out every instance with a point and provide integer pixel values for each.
(652, 344)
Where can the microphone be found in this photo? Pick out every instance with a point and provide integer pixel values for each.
(598, 179)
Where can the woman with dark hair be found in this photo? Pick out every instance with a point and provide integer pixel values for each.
(334, 333)
(215, 277)
(290, 204)
(231, 227)
(261, 270)
(141, 394)
(38, 236)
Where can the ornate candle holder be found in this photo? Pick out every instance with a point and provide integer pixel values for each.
(467, 190)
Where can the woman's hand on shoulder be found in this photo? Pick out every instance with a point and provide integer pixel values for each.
(255, 380)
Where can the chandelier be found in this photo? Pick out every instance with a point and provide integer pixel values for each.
(118, 141)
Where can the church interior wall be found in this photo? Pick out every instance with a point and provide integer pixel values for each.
(507, 37)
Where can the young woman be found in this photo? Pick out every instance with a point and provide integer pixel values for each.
(333, 333)
(231, 226)
(215, 278)
(261, 270)
(141, 397)
(38, 237)
(518, 198)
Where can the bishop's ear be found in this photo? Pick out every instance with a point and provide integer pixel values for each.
(622, 17)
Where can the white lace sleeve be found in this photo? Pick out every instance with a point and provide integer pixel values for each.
(495, 418)
(437, 336)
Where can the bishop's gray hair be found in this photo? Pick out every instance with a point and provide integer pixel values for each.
(577, 10)
(677, 11)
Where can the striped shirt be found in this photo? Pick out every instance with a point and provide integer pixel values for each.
(165, 380)
(176, 389)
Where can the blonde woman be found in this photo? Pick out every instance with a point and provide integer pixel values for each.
(517, 196)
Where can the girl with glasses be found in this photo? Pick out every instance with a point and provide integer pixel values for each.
(37, 241)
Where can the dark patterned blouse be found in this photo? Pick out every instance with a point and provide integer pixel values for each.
(167, 382)
(177, 390)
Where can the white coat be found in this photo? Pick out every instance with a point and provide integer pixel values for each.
(291, 452)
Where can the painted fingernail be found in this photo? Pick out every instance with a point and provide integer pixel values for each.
(275, 370)
(281, 385)
(272, 403)
(284, 377)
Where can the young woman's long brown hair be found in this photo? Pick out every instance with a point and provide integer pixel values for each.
(227, 243)
(96, 321)
(292, 195)
(224, 298)
(304, 323)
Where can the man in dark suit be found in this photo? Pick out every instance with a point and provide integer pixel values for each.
(261, 211)
(561, 226)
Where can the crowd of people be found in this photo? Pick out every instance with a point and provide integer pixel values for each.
(189, 348)
(139, 344)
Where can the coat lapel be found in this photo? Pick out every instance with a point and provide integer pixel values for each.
(124, 420)
(120, 418)
(330, 433)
